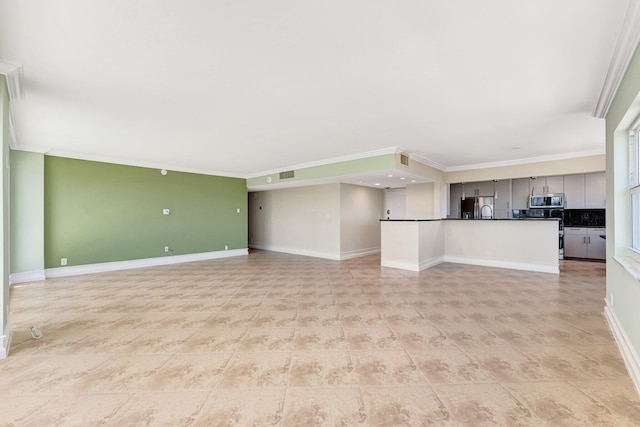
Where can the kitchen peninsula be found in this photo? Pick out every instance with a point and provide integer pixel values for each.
(521, 244)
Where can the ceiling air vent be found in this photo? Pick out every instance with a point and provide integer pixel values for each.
(404, 159)
(286, 175)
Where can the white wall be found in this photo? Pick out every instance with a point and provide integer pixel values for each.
(302, 220)
(360, 211)
(424, 200)
(586, 164)
(416, 245)
(526, 245)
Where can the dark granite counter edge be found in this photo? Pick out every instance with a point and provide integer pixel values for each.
(502, 219)
(468, 219)
(410, 220)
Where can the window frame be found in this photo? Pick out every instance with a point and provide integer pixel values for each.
(634, 188)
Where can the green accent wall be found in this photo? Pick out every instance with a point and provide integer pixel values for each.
(623, 290)
(27, 212)
(101, 212)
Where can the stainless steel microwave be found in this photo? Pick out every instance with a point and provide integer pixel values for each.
(547, 201)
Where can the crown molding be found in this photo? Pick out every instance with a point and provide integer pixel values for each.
(626, 45)
(365, 155)
(427, 162)
(119, 161)
(15, 79)
(13, 138)
(526, 161)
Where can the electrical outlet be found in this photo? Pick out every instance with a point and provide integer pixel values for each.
(226, 247)
(166, 212)
(63, 261)
(238, 210)
(166, 248)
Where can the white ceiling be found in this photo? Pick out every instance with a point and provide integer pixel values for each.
(240, 87)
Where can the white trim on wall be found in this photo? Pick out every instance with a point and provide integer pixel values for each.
(357, 156)
(28, 276)
(295, 251)
(526, 161)
(359, 253)
(5, 341)
(139, 263)
(629, 355)
(541, 268)
(403, 265)
(125, 162)
(626, 44)
(4, 348)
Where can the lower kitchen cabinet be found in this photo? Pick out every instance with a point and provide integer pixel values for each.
(582, 242)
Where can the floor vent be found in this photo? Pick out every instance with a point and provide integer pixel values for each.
(404, 159)
(286, 175)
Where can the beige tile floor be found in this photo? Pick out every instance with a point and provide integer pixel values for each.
(274, 339)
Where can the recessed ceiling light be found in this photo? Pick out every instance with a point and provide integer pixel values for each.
(402, 178)
(377, 183)
(389, 176)
(516, 147)
(360, 182)
(413, 180)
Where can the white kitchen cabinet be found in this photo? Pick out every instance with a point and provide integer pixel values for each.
(547, 185)
(503, 202)
(580, 242)
(585, 191)
(595, 191)
(554, 184)
(574, 191)
(520, 193)
(575, 242)
(596, 245)
(480, 188)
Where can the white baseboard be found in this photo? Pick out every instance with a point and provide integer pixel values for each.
(629, 354)
(28, 276)
(431, 263)
(359, 253)
(404, 265)
(5, 341)
(139, 263)
(540, 268)
(295, 251)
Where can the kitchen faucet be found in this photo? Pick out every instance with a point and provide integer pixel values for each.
(490, 210)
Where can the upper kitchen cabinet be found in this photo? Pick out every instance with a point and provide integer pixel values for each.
(585, 191)
(595, 193)
(520, 193)
(547, 185)
(574, 191)
(503, 191)
(484, 188)
(481, 188)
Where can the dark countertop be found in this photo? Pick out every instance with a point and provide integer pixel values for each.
(502, 219)
(410, 220)
(471, 219)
